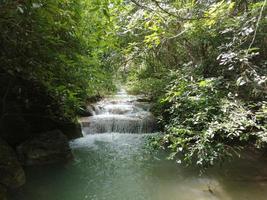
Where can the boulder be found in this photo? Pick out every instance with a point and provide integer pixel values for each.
(14, 129)
(46, 148)
(39, 125)
(11, 173)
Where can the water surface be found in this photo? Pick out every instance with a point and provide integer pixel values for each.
(112, 162)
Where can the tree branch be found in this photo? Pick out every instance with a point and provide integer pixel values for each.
(164, 10)
(174, 15)
(256, 29)
(142, 6)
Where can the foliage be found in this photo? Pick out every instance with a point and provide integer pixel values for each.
(203, 63)
(208, 62)
(205, 124)
(60, 48)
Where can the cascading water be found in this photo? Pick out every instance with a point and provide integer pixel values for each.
(121, 113)
(112, 163)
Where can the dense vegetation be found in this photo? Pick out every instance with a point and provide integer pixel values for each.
(204, 65)
(54, 56)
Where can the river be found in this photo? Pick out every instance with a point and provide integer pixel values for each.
(112, 162)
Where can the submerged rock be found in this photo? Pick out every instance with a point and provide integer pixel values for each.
(46, 148)
(11, 173)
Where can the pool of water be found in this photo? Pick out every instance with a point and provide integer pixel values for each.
(120, 166)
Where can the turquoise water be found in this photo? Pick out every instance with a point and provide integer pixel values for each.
(119, 166)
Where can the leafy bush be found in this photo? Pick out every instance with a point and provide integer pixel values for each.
(210, 100)
(206, 124)
(52, 45)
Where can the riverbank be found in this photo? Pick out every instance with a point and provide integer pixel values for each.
(120, 165)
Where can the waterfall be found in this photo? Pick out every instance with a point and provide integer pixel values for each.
(120, 113)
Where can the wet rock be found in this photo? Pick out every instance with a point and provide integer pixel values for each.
(11, 173)
(87, 111)
(94, 99)
(71, 129)
(144, 99)
(85, 121)
(46, 148)
(144, 105)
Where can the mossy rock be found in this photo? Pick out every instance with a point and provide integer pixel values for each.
(11, 173)
(46, 148)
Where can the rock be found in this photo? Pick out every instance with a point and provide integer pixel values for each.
(14, 129)
(71, 129)
(144, 105)
(46, 148)
(87, 111)
(94, 99)
(85, 121)
(11, 173)
(90, 109)
(144, 99)
(3, 193)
